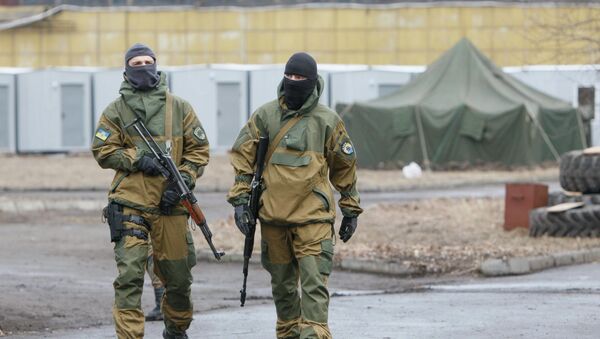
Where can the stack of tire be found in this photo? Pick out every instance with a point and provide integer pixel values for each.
(580, 177)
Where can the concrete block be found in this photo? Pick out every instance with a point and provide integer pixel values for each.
(494, 267)
(540, 263)
(31, 206)
(379, 266)
(566, 258)
(8, 207)
(518, 265)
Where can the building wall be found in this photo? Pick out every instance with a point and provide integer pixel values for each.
(509, 35)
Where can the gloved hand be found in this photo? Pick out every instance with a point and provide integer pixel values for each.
(347, 228)
(242, 216)
(170, 198)
(148, 165)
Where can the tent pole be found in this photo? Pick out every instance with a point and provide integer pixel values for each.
(426, 162)
(545, 137)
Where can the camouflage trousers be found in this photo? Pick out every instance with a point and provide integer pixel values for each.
(299, 255)
(173, 257)
(156, 283)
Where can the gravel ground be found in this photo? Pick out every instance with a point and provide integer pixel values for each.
(81, 172)
(437, 236)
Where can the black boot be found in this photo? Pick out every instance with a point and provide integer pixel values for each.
(156, 314)
(169, 335)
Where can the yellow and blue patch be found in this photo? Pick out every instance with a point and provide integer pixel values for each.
(102, 134)
(347, 148)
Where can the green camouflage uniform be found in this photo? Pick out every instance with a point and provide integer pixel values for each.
(174, 255)
(297, 210)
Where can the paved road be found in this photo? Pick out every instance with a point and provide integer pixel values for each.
(560, 303)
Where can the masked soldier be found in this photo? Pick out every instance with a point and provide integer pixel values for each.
(309, 148)
(142, 205)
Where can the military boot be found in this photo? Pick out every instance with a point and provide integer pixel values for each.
(156, 314)
(169, 335)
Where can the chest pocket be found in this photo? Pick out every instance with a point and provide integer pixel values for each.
(295, 139)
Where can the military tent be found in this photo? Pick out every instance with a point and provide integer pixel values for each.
(462, 110)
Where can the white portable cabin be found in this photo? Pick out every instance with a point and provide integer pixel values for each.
(219, 95)
(54, 110)
(362, 83)
(105, 84)
(8, 117)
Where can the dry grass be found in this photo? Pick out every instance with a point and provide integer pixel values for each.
(82, 172)
(435, 236)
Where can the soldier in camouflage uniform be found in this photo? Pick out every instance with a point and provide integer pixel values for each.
(309, 149)
(150, 206)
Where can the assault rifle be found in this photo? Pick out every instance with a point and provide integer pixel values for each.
(253, 203)
(171, 173)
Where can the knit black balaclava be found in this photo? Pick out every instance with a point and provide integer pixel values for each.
(144, 77)
(297, 91)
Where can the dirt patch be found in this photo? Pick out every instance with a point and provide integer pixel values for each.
(437, 236)
(81, 172)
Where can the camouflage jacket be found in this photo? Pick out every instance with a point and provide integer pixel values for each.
(315, 152)
(119, 149)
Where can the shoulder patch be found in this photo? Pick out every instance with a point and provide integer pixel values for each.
(347, 148)
(102, 134)
(199, 134)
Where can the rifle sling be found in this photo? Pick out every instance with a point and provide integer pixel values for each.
(169, 123)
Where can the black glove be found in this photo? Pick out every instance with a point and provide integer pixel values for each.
(149, 165)
(242, 216)
(170, 198)
(347, 228)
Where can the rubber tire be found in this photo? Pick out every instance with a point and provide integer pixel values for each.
(578, 222)
(580, 172)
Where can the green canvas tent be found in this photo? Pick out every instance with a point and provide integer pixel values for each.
(462, 110)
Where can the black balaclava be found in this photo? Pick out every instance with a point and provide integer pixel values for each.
(296, 92)
(144, 77)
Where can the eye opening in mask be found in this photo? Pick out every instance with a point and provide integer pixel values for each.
(295, 77)
(141, 60)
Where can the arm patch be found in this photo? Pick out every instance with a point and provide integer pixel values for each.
(347, 148)
(102, 134)
(200, 135)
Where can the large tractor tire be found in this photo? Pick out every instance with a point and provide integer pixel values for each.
(577, 222)
(580, 172)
